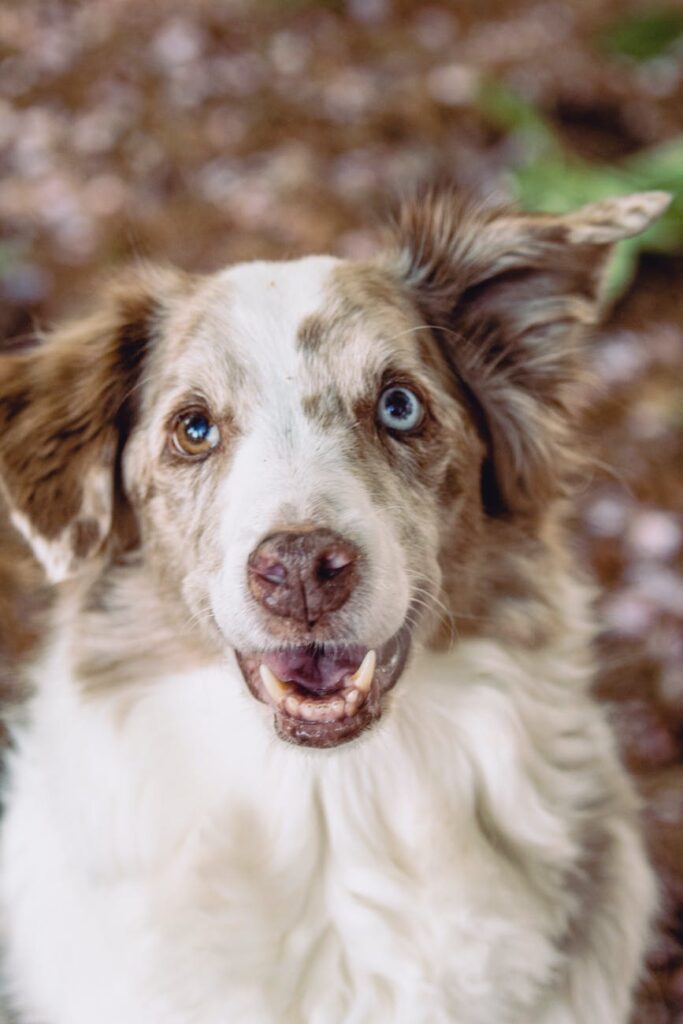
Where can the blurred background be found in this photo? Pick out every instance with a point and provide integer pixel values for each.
(200, 133)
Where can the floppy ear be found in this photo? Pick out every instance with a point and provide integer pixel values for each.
(66, 408)
(508, 296)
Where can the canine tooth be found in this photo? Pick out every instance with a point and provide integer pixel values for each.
(353, 696)
(362, 679)
(275, 688)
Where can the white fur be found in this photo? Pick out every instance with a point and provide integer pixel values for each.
(56, 554)
(166, 859)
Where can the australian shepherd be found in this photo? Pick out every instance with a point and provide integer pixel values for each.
(311, 739)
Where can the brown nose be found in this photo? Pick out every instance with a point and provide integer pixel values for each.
(303, 575)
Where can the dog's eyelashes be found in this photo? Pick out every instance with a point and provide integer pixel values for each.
(399, 410)
(194, 435)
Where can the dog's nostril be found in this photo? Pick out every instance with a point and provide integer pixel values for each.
(272, 572)
(332, 563)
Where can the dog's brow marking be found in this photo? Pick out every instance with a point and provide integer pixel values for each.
(326, 408)
(312, 333)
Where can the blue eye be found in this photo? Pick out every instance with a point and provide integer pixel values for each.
(399, 409)
(195, 435)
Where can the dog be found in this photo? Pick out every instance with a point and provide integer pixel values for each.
(311, 738)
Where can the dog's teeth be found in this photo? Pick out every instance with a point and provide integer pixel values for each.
(362, 679)
(336, 709)
(285, 697)
(309, 711)
(354, 701)
(276, 689)
(292, 705)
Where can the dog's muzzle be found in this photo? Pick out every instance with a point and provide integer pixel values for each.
(323, 691)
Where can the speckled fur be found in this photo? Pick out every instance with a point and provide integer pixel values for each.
(475, 857)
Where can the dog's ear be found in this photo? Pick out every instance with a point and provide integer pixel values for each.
(507, 295)
(66, 407)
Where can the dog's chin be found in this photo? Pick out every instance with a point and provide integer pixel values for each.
(347, 697)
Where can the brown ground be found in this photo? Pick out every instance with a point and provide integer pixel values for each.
(205, 132)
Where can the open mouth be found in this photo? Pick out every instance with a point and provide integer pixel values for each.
(323, 695)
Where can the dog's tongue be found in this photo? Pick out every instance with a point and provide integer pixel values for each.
(316, 671)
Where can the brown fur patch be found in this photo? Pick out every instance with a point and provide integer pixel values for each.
(313, 332)
(67, 407)
(85, 535)
(326, 409)
(370, 293)
(507, 296)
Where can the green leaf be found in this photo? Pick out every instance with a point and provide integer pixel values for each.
(621, 270)
(549, 178)
(645, 35)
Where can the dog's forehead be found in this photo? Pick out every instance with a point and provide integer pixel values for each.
(265, 304)
(288, 333)
(286, 318)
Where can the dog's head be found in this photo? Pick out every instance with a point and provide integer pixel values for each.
(318, 459)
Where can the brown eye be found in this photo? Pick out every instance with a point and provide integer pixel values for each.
(194, 435)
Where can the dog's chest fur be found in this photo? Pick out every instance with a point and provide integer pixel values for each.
(243, 880)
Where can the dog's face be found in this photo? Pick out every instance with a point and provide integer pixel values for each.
(299, 444)
(316, 455)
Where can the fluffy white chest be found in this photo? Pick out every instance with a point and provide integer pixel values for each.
(186, 865)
